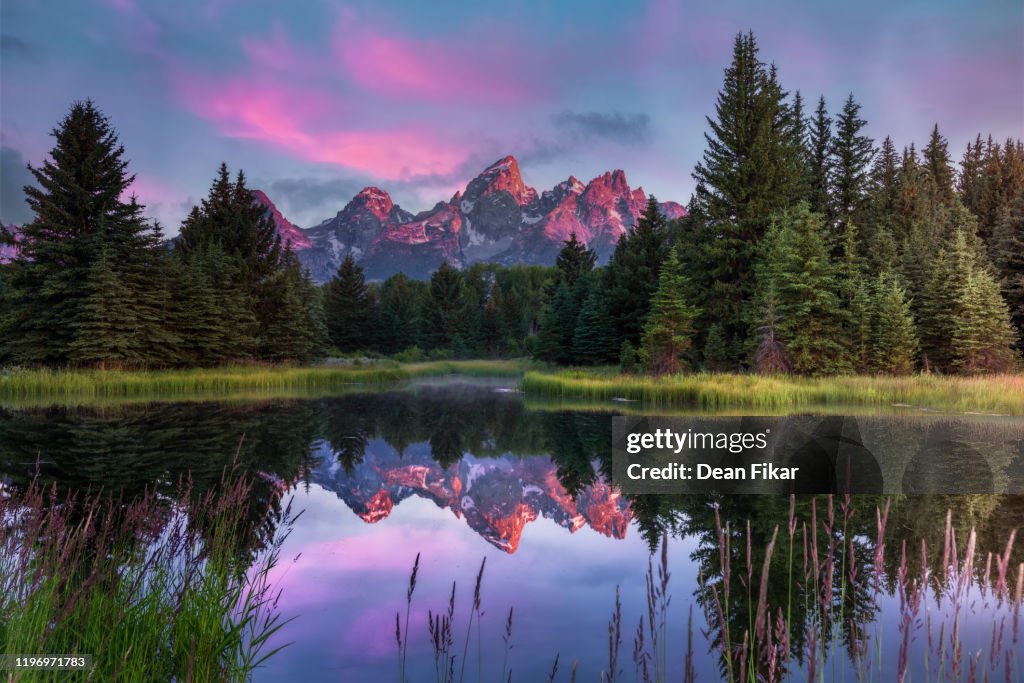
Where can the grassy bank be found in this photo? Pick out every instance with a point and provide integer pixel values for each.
(253, 381)
(722, 392)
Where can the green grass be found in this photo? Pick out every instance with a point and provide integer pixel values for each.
(719, 393)
(154, 590)
(22, 387)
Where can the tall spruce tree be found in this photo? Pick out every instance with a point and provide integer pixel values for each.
(1008, 247)
(558, 327)
(105, 329)
(819, 161)
(52, 301)
(594, 337)
(295, 328)
(937, 172)
(748, 171)
(446, 316)
(911, 209)
(230, 217)
(983, 338)
(347, 308)
(894, 339)
(797, 271)
(668, 330)
(574, 260)
(400, 303)
(878, 238)
(632, 275)
(852, 152)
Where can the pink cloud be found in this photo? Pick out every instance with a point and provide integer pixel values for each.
(436, 71)
(150, 190)
(301, 122)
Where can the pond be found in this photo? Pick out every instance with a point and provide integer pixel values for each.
(459, 473)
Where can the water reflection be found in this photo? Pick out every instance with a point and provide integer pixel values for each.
(496, 466)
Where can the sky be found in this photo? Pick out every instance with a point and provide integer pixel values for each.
(316, 100)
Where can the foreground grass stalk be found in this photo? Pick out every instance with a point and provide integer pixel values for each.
(154, 588)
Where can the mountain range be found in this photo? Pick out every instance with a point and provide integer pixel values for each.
(496, 497)
(497, 218)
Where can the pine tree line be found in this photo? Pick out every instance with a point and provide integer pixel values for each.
(95, 285)
(484, 311)
(808, 250)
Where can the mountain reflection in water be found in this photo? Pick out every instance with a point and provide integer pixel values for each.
(438, 468)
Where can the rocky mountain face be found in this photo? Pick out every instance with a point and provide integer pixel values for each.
(288, 232)
(497, 218)
(496, 497)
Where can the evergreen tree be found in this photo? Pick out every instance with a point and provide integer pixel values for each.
(797, 272)
(669, 327)
(347, 307)
(627, 358)
(241, 227)
(851, 154)
(400, 304)
(770, 357)
(52, 296)
(820, 161)
(894, 339)
(105, 329)
(445, 318)
(939, 297)
(211, 314)
(878, 240)
(295, 329)
(1008, 245)
(716, 353)
(632, 275)
(937, 171)
(971, 180)
(797, 139)
(493, 334)
(573, 261)
(860, 315)
(558, 327)
(983, 338)
(594, 338)
(911, 206)
(749, 170)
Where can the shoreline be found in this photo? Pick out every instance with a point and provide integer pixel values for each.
(596, 388)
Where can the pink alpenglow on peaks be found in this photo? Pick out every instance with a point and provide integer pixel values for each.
(288, 232)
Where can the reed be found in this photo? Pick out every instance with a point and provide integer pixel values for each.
(1003, 394)
(839, 636)
(153, 589)
(71, 385)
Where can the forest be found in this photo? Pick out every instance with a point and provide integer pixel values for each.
(809, 248)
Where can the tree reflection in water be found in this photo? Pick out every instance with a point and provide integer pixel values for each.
(822, 575)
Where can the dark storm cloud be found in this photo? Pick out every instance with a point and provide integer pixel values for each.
(626, 129)
(14, 175)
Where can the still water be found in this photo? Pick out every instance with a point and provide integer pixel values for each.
(462, 472)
